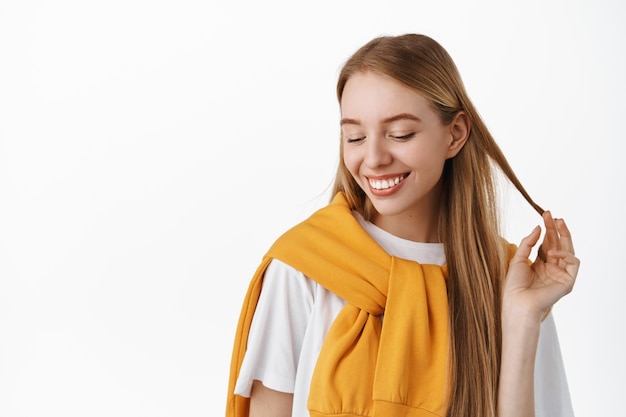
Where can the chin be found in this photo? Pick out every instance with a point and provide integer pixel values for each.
(387, 210)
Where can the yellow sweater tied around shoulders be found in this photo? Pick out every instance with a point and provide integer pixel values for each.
(364, 368)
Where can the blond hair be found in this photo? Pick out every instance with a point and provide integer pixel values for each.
(468, 220)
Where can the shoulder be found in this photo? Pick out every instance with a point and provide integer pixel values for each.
(286, 286)
(284, 281)
(509, 248)
(278, 270)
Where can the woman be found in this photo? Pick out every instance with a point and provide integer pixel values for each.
(400, 298)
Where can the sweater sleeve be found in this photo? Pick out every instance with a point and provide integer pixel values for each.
(277, 330)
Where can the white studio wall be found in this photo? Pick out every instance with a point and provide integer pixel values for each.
(150, 151)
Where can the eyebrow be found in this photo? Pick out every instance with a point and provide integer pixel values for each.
(401, 116)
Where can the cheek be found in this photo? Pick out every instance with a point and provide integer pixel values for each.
(432, 167)
(433, 155)
(350, 160)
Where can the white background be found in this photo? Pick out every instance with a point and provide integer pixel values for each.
(150, 151)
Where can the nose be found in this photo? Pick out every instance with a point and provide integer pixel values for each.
(377, 152)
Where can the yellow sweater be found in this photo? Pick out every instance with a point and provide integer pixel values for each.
(364, 368)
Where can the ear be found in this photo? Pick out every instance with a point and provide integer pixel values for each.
(459, 132)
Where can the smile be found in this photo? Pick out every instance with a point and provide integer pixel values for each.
(387, 183)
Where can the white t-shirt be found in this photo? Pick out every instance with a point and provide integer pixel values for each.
(294, 313)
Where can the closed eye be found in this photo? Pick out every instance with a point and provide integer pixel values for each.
(404, 137)
(354, 140)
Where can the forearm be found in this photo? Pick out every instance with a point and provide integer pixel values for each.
(520, 336)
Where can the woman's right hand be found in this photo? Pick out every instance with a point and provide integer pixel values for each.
(531, 289)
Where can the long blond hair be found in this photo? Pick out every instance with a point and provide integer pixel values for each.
(468, 219)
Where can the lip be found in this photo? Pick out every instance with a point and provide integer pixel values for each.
(387, 191)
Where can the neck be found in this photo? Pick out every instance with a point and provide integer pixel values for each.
(416, 225)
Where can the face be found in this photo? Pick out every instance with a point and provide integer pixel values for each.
(395, 147)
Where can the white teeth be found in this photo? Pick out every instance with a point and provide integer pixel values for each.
(384, 184)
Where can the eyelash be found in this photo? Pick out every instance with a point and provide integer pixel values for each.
(354, 140)
(403, 137)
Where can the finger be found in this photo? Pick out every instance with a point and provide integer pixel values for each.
(565, 237)
(541, 253)
(551, 238)
(566, 260)
(526, 245)
(563, 255)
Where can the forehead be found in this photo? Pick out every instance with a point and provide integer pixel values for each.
(373, 95)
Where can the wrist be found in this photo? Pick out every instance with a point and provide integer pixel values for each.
(520, 335)
(519, 318)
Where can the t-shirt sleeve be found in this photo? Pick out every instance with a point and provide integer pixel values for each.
(552, 398)
(277, 330)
